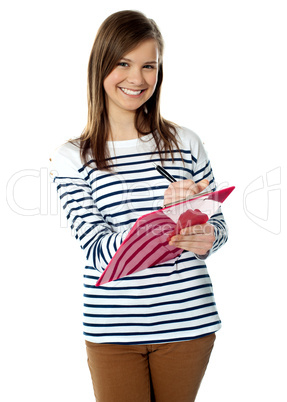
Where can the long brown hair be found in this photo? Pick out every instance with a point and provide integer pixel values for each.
(120, 33)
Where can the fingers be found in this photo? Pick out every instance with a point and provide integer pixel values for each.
(206, 229)
(197, 247)
(183, 189)
(199, 239)
(188, 187)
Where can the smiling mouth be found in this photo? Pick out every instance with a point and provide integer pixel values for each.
(131, 92)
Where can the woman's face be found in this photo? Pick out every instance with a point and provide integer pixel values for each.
(133, 80)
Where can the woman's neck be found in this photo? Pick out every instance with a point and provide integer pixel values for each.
(122, 127)
(122, 132)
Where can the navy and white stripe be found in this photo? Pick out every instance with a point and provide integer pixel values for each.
(172, 301)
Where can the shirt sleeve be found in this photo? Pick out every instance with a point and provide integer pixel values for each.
(88, 226)
(203, 170)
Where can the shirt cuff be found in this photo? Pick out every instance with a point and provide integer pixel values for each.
(202, 257)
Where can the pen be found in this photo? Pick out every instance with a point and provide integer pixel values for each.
(164, 173)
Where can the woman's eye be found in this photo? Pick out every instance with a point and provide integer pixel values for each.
(123, 64)
(148, 66)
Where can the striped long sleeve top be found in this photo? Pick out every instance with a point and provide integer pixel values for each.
(172, 301)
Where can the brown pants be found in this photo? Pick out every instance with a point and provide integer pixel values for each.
(168, 372)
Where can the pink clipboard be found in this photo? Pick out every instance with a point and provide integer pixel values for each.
(146, 245)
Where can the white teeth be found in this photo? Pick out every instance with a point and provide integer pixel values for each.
(129, 92)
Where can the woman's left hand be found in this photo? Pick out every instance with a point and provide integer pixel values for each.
(199, 238)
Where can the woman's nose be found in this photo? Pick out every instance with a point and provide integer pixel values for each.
(135, 77)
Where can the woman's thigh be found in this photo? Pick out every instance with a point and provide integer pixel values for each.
(119, 373)
(178, 368)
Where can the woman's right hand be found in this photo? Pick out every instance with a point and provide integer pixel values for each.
(183, 189)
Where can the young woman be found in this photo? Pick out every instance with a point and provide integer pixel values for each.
(149, 335)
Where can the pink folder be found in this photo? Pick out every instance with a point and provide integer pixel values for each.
(146, 245)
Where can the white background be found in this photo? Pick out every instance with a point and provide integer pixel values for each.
(225, 78)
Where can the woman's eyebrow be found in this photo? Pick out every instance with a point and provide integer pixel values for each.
(147, 62)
